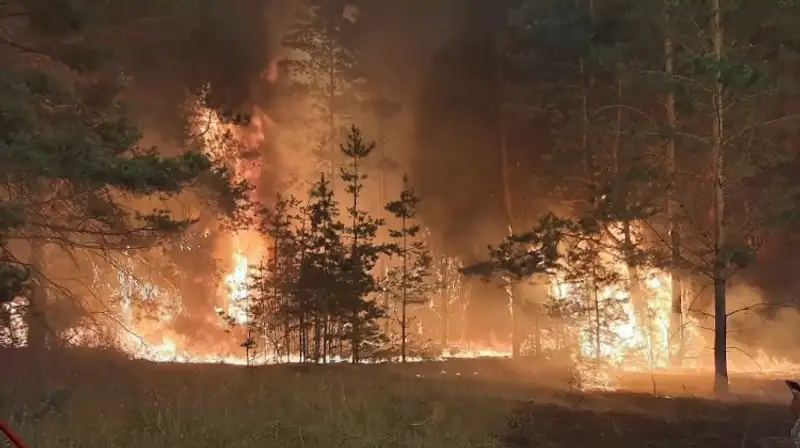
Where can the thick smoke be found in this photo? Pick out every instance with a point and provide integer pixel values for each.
(218, 49)
(458, 135)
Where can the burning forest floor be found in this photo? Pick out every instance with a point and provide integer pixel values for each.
(99, 401)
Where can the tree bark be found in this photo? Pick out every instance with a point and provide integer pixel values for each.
(505, 176)
(445, 308)
(720, 261)
(516, 339)
(404, 321)
(621, 203)
(331, 47)
(355, 254)
(676, 315)
(36, 317)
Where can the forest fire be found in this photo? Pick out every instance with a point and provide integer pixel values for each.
(609, 333)
(627, 342)
(236, 282)
(553, 224)
(599, 323)
(612, 326)
(238, 279)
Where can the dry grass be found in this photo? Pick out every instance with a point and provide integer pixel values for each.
(93, 402)
(133, 404)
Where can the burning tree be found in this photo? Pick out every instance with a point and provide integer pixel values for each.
(449, 295)
(271, 285)
(670, 99)
(735, 88)
(324, 70)
(75, 169)
(519, 259)
(593, 294)
(318, 284)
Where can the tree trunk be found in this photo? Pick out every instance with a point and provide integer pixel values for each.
(287, 338)
(326, 336)
(303, 338)
(637, 296)
(386, 301)
(317, 336)
(505, 169)
(516, 339)
(621, 203)
(445, 319)
(676, 338)
(356, 340)
(356, 256)
(587, 85)
(403, 321)
(505, 176)
(537, 328)
(380, 266)
(331, 96)
(36, 317)
(598, 327)
(720, 261)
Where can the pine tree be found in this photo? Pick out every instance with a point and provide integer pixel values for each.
(325, 72)
(592, 281)
(731, 87)
(600, 115)
(321, 286)
(520, 259)
(638, 68)
(273, 284)
(362, 313)
(676, 327)
(411, 282)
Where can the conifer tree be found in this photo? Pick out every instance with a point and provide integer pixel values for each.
(272, 284)
(411, 282)
(326, 73)
(519, 259)
(593, 294)
(640, 67)
(361, 312)
(321, 284)
(737, 88)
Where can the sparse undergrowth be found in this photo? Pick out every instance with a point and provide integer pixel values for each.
(469, 403)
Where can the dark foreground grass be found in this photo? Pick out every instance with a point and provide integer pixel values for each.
(627, 420)
(103, 402)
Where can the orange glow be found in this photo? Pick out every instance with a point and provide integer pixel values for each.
(638, 342)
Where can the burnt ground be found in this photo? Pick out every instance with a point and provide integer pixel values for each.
(629, 420)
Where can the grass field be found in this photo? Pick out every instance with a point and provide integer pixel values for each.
(106, 402)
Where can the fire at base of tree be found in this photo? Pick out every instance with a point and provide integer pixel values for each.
(313, 293)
